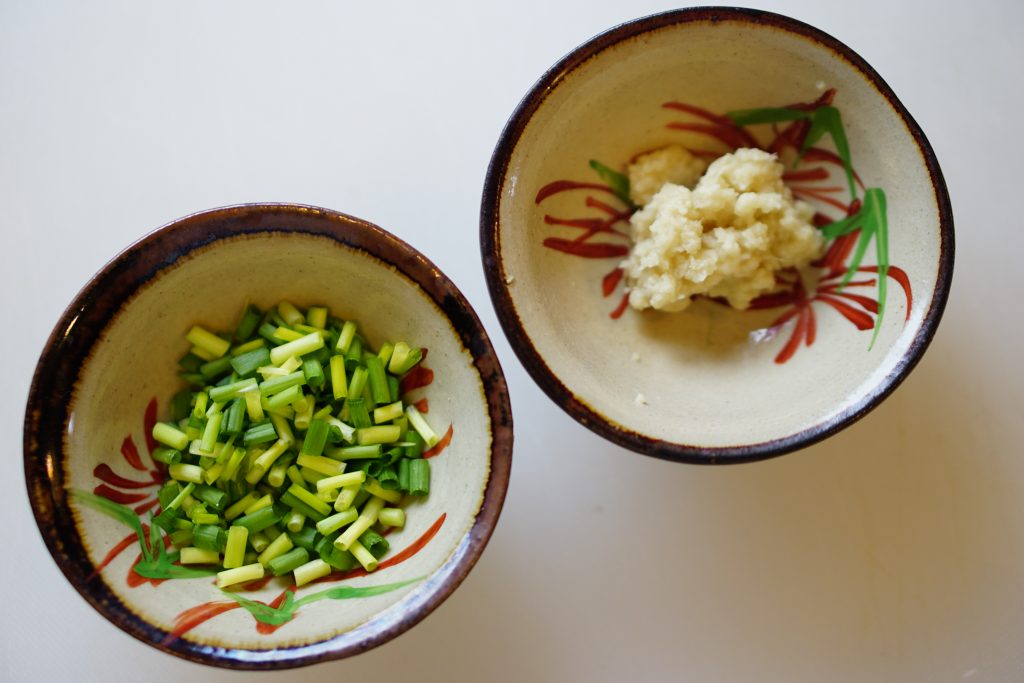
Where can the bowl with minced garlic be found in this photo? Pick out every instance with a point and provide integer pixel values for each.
(266, 436)
(715, 235)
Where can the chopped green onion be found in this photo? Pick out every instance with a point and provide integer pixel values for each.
(339, 384)
(243, 574)
(366, 518)
(288, 562)
(369, 436)
(245, 365)
(312, 570)
(248, 323)
(374, 488)
(167, 456)
(299, 347)
(169, 435)
(279, 546)
(261, 433)
(341, 481)
(364, 556)
(207, 341)
(346, 497)
(183, 472)
(374, 542)
(234, 547)
(419, 477)
(316, 438)
(328, 525)
(420, 425)
(394, 517)
(199, 556)
(345, 337)
(387, 413)
(259, 520)
(317, 316)
(290, 313)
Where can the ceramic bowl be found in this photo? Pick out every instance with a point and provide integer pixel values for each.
(109, 369)
(711, 384)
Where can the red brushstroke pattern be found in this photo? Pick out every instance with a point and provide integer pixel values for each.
(422, 405)
(611, 281)
(105, 473)
(131, 454)
(442, 444)
(417, 378)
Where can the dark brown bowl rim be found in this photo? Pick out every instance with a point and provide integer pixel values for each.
(100, 300)
(532, 360)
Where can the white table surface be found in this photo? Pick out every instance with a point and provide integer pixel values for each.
(892, 552)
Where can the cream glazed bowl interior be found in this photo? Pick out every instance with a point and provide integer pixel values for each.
(713, 384)
(109, 370)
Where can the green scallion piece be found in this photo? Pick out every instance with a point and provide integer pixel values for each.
(305, 537)
(167, 456)
(375, 543)
(259, 520)
(213, 497)
(215, 369)
(288, 562)
(278, 384)
(245, 365)
(248, 323)
(235, 416)
(261, 433)
(316, 438)
(299, 505)
(328, 525)
(285, 398)
(419, 477)
(377, 379)
(209, 537)
(187, 473)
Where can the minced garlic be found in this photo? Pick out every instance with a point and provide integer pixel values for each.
(724, 238)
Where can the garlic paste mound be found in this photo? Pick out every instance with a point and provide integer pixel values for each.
(725, 238)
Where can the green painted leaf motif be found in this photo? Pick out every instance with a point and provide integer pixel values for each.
(750, 117)
(166, 569)
(350, 592)
(117, 512)
(879, 209)
(617, 181)
(844, 226)
(156, 562)
(827, 119)
(275, 616)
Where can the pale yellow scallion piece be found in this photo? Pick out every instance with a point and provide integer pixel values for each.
(207, 341)
(279, 546)
(341, 480)
(243, 574)
(364, 556)
(291, 314)
(365, 520)
(321, 464)
(312, 570)
(234, 550)
(192, 555)
(374, 487)
(260, 503)
(298, 347)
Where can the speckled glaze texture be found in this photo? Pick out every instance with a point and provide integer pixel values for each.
(701, 386)
(114, 350)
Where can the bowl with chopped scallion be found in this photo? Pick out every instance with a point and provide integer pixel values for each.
(266, 436)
